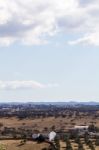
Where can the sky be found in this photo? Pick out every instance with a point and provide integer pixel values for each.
(49, 50)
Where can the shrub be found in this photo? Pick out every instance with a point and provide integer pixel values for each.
(57, 144)
(77, 140)
(68, 145)
(22, 142)
(80, 146)
(2, 147)
(97, 141)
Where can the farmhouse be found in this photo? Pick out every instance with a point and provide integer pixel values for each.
(81, 128)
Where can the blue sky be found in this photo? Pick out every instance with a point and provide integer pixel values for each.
(49, 51)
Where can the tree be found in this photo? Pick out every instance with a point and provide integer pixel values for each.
(68, 145)
(57, 143)
(91, 128)
(86, 138)
(97, 141)
(91, 145)
(80, 146)
(77, 139)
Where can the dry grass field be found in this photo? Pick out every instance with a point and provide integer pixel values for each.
(21, 126)
(41, 123)
(30, 145)
(15, 145)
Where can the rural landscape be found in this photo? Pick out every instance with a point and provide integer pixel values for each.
(49, 74)
(76, 126)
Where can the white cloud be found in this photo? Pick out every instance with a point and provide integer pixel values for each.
(28, 84)
(31, 21)
(92, 39)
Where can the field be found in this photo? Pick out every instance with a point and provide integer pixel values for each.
(30, 145)
(19, 122)
(15, 145)
(75, 145)
(40, 124)
(48, 122)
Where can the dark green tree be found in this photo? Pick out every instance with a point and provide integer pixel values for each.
(97, 141)
(57, 143)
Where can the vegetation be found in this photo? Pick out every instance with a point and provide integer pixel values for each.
(2, 147)
(57, 143)
(23, 120)
(97, 141)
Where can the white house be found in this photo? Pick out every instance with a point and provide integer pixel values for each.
(81, 128)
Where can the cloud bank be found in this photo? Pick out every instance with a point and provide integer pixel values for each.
(15, 85)
(32, 21)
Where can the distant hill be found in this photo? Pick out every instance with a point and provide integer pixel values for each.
(69, 103)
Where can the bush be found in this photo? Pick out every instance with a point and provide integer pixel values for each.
(1, 124)
(80, 146)
(97, 141)
(68, 145)
(57, 144)
(22, 142)
(86, 138)
(77, 140)
(2, 147)
(91, 128)
(66, 137)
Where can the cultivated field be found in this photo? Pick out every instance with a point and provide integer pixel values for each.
(30, 145)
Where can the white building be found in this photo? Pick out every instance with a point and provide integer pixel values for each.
(81, 128)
